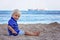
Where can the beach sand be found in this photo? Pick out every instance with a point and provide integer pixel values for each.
(47, 32)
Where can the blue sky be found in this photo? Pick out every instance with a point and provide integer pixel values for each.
(30, 4)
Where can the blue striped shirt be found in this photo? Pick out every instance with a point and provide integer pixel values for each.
(13, 23)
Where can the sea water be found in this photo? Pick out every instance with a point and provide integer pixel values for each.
(30, 18)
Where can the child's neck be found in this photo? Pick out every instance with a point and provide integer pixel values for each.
(14, 19)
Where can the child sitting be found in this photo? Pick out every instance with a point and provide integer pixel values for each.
(13, 26)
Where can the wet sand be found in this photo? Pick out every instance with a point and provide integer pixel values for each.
(47, 32)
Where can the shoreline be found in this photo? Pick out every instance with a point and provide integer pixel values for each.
(36, 23)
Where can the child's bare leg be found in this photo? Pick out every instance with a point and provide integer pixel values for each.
(32, 33)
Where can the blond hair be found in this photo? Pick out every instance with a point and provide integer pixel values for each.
(15, 11)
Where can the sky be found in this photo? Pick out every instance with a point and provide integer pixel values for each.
(30, 4)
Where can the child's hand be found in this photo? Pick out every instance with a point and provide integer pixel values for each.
(14, 32)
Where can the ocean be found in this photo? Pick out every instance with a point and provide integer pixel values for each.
(30, 18)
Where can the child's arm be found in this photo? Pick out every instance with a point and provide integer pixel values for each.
(11, 29)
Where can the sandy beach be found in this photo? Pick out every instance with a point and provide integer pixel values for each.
(47, 32)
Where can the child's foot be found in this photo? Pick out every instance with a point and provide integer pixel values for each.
(36, 33)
